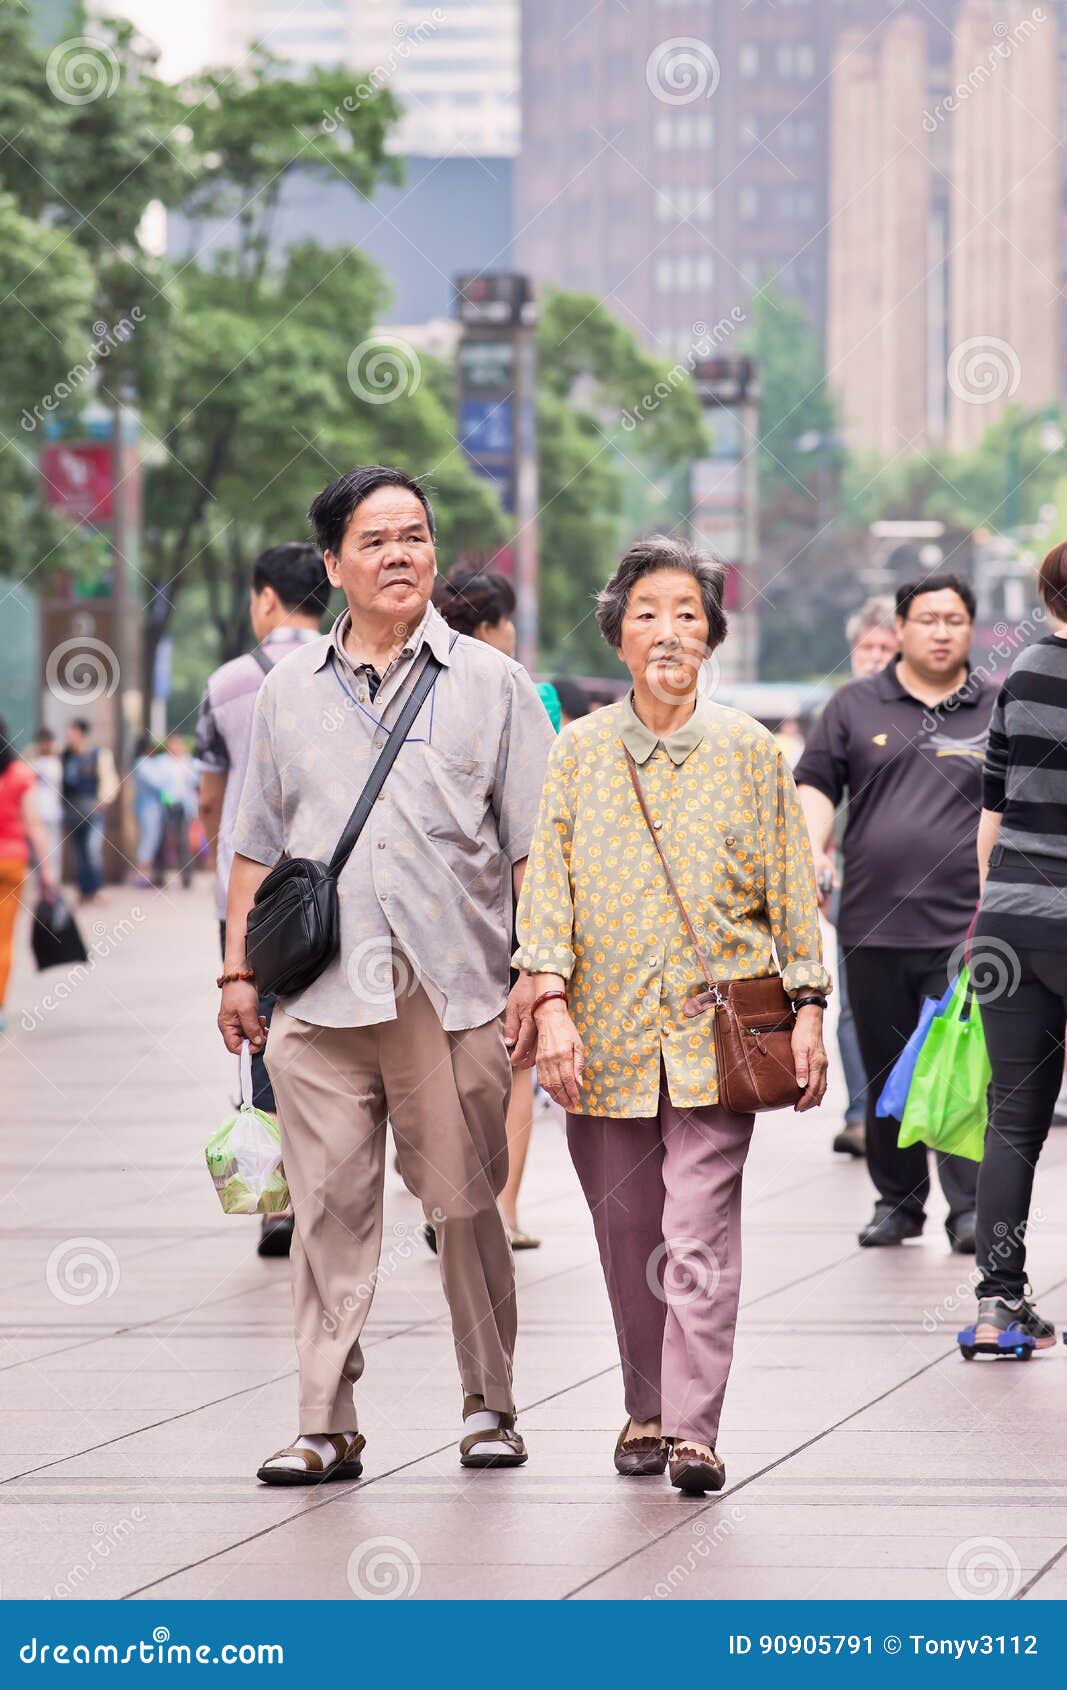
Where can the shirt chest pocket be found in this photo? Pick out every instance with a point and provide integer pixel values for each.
(453, 796)
(735, 867)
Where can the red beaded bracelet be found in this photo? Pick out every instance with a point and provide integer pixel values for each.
(236, 974)
(545, 998)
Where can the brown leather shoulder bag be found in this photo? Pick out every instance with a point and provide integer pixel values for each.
(753, 1019)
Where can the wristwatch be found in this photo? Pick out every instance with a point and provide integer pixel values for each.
(812, 998)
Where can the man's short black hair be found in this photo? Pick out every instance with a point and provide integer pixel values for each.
(331, 511)
(82, 725)
(909, 591)
(572, 697)
(298, 575)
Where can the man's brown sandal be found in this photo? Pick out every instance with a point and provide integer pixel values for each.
(347, 1466)
(641, 1458)
(512, 1452)
(693, 1473)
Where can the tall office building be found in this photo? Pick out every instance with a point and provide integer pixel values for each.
(1005, 266)
(945, 296)
(454, 66)
(878, 237)
(673, 156)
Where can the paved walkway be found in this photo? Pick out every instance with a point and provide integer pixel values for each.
(145, 1369)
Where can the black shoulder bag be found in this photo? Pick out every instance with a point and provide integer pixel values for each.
(294, 925)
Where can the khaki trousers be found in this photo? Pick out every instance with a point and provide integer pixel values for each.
(446, 1097)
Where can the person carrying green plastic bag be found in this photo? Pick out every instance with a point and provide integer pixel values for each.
(947, 1105)
(244, 1157)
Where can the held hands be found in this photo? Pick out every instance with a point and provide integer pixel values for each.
(560, 1055)
(520, 1031)
(239, 1017)
(810, 1061)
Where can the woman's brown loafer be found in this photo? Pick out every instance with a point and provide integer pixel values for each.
(693, 1473)
(641, 1458)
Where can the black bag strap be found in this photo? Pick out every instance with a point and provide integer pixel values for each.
(385, 760)
(263, 660)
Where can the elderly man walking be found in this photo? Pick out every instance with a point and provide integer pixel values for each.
(408, 1021)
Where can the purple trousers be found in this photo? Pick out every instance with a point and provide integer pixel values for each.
(665, 1195)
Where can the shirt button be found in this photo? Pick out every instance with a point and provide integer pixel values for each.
(381, 844)
(665, 1031)
(656, 824)
(653, 962)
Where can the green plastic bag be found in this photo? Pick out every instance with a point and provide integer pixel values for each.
(947, 1105)
(244, 1157)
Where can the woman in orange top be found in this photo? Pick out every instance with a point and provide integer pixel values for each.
(20, 830)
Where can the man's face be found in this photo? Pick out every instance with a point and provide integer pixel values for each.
(75, 738)
(665, 632)
(386, 564)
(872, 651)
(935, 636)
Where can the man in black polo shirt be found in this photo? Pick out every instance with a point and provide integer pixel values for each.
(906, 746)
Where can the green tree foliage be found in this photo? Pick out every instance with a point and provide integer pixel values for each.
(592, 376)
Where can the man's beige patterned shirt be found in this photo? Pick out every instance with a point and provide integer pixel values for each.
(426, 895)
(595, 905)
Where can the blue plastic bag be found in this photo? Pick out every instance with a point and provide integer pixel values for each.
(895, 1091)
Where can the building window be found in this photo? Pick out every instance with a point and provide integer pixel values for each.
(748, 58)
(795, 59)
(748, 205)
(663, 275)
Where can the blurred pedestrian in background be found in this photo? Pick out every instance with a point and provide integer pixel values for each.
(481, 603)
(907, 746)
(21, 835)
(659, 1158)
(1019, 954)
(178, 795)
(573, 701)
(147, 806)
(47, 765)
(90, 785)
(288, 596)
(871, 633)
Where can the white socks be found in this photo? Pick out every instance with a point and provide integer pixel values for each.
(485, 1420)
(319, 1443)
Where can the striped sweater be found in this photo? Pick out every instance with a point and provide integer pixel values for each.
(1025, 782)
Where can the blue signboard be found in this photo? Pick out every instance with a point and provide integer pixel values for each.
(486, 425)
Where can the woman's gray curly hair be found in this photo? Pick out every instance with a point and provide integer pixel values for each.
(662, 551)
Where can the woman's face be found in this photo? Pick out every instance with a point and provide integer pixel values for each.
(665, 633)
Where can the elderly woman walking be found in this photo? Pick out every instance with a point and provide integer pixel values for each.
(615, 966)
